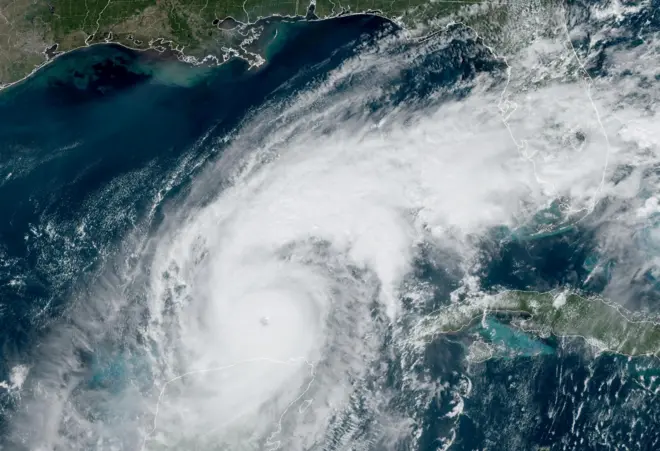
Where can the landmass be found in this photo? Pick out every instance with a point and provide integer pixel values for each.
(33, 32)
(605, 326)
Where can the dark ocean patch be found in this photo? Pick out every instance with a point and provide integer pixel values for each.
(542, 264)
(90, 141)
(101, 139)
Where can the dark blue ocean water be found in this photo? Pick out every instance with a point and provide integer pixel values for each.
(98, 133)
(90, 141)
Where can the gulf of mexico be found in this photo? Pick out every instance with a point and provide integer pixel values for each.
(94, 143)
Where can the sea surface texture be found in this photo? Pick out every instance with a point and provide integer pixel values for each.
(370, 242)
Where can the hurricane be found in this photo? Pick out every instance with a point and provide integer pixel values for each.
(274, 287)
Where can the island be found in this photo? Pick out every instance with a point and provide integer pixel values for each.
(602, 324)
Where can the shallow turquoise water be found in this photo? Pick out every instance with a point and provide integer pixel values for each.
(96, 145)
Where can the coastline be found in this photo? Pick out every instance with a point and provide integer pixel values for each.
(166, 49)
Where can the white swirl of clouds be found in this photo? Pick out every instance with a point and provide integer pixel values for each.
(269, 302)
(320, 227)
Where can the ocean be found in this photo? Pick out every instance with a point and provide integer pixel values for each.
(235, 257)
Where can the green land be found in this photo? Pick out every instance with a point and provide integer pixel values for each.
(195, 29)
(605, 326)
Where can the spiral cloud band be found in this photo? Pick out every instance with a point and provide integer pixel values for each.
(271, 301)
